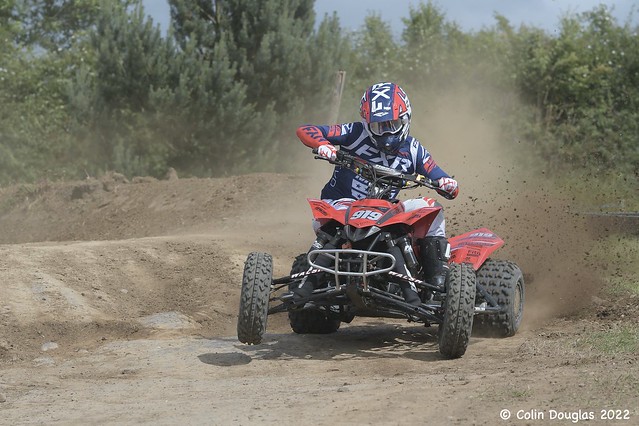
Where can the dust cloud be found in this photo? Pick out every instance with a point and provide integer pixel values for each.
(502, 191)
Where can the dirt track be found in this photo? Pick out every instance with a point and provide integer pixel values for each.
(118, 305)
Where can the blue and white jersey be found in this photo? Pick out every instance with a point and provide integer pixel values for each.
(353, 139)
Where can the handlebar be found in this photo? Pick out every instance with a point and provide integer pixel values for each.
(385, 178)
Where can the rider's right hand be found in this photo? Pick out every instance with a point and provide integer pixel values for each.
(327, 151)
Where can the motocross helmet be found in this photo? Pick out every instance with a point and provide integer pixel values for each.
(386, 111)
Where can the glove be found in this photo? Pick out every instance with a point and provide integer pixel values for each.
(448, 187)
(327, 151)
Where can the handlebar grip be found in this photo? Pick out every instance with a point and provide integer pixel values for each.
(427, 181)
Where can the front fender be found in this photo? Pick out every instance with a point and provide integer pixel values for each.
(474, 247)
(324, 212)
(419, 220)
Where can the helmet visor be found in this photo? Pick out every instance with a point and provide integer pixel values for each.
(382, 127)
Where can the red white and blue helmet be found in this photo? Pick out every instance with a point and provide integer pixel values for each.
(386, 111)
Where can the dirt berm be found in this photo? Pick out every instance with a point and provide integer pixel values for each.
(118, 304)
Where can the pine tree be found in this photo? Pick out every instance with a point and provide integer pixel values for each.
(287, 68)
(144, 104)
(53, 25)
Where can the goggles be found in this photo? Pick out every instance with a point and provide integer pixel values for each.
(382, 127)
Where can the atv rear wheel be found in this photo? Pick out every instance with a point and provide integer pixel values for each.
(310, 321)
(256, 288)
(504, 281)
(459, 309)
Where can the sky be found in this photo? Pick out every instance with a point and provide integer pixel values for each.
(471, 15)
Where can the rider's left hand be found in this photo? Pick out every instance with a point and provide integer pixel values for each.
(448, 187)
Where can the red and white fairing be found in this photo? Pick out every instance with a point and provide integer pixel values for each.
(473, 247)
(375, 212)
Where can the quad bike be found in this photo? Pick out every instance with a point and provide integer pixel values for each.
(369, 257)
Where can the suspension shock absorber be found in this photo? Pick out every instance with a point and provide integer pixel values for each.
(405, 245)
(409, 290)
(326, 241)
(321, 240)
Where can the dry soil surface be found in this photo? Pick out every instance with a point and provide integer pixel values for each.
(118, 305)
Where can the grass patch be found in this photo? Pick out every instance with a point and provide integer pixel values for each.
(623, 339)
(520, 393)
(588, 342)
(612, 192)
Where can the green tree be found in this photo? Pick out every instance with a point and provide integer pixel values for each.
(331, 52)
(583, 83)
(94, 85)
(144, 104)
(32, 110)
(267, 43)
(288, 69)
(111, 93)
(9, 52)
(375, 52)
(54, 24)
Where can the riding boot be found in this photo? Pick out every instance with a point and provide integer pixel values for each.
(304, 289)
(435, 252)
(410, 294)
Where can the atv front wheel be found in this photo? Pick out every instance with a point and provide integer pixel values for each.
(459, 309)
(504, 281)
(256, 288)
(310, 321)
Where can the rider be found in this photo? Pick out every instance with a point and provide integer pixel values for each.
(382, 137)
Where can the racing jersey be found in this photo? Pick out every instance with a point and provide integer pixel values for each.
(353, 139)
